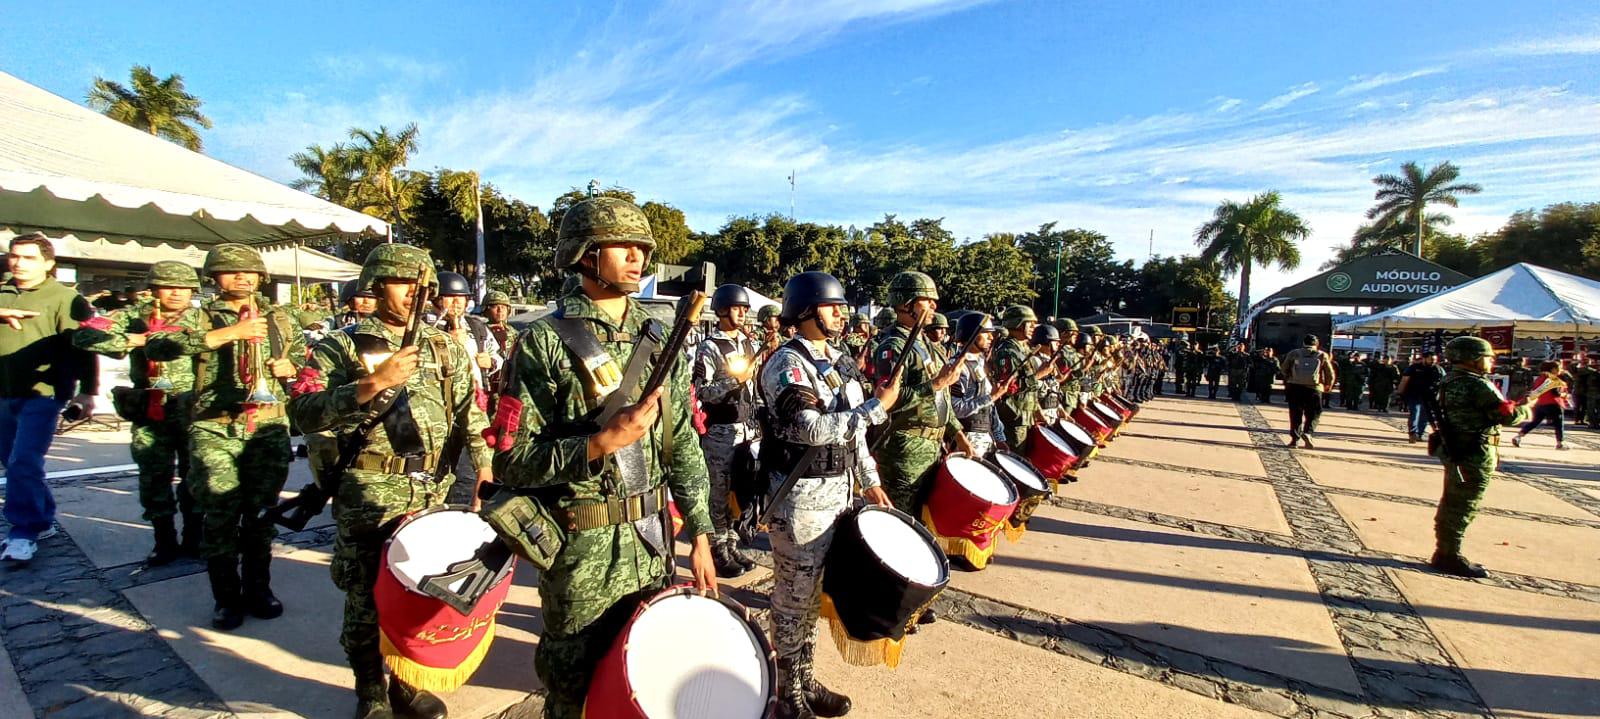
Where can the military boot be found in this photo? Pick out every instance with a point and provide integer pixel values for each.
(257, 585)
(1454, 564)
(824, 702)
(738, 555)
(791, 695)
(167, 548)
(224, 575)
(372, 702)
(192, 526)
(415, 702)
(722, 558)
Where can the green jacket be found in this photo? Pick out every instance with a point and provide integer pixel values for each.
(1384, 377)
(443, 402)
(1474, 411)
(216, 371)
(919, 406)
(550, 452)
(39, 360)
(109, 336)
(1010, 361)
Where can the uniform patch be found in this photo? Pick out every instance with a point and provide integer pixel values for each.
(95, 323)
(793, 375)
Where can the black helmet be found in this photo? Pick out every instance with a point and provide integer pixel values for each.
(807, 290)
(1043, 334)
(451, 284)
(729, 295)
(971, 323)
(352, 290)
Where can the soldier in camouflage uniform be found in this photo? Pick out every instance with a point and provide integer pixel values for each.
(496, 308)
(974, 393)
(1009, 365)
(922, 421)
(1215, 365)
(816, 398)
(1194, 366)
(239, 436)
(159, 412)
(1473, 412)
(1068, 374)
(938, 330)
(334, 395)
(1180, 365)
(724, 381)
(1238, 371)
(1044, 342)
(1520, 378)
(1384, 378)
(607, 484)
(859, 338)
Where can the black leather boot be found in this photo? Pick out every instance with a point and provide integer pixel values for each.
(410, 702)
(166, 549)
(224, 575)
(372, 701)
(824, 702)
(257, 584)
(722, 558)
(791, 695)
(1454, 564)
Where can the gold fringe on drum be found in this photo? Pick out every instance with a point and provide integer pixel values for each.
(435, 679)
(859, 653)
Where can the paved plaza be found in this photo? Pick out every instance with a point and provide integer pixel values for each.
(1199, 569)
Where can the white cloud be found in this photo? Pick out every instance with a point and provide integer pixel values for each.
(1568, 45)
(1294, 93)
(1372, 82)
(1228, 103)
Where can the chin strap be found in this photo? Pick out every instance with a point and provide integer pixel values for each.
(590, 272)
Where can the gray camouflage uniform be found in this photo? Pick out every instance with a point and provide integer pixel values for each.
(970, 396)
(719, 392)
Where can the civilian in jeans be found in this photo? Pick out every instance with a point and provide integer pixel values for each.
(1417, 386)
(1307, 373)
(39, 371)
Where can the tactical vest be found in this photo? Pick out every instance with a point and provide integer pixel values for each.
(735, 407)
(780, 455)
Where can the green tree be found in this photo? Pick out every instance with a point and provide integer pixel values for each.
(1091, 279)
(1375, 238)
(1167, 282)
(1256, 232)
(328, 173)
(384, 187)
(1558, 236)
(989, 274)
(1405, 198)
(671, 231)
(159, 106)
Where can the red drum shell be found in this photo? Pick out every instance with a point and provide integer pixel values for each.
(1071, 430)
(1112, 417)
(1051, 459)
(957, 512)
(1091, 422)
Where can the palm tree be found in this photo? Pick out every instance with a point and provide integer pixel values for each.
(383, 186)
(329, 173)
(1257, 232)
(1407, 197)
(160, 107)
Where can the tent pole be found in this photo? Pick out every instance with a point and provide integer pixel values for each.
(297, 291)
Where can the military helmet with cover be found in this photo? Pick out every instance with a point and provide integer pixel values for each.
(858, 318)
(1014, 316)
(883, 319)
(768, 312)
(911, 285)
(808, 290)
(171, 273)
(1467, 349)
(496, 297)
(234, 257)
(1066, 324)
(600, 221)
(938, 321)
(396, 261)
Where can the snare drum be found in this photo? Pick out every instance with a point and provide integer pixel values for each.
(444, 575)
(1112, 417)
(683, 656)
(1097, 427)
(1049, 453)
(967, 504)
(1032, 489)
(882, 570)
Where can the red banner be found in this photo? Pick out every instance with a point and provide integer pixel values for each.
(1498, 337)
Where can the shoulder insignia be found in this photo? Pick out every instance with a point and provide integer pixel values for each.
(793, 375)
(97, 322)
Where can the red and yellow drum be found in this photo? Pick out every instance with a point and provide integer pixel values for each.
(967, 504)
(1120, 404)
(1050, 454)
(1082, 443)
(1112, 418)
(1097, 426)
(1032, 489)
(686, 655)
(444, 575)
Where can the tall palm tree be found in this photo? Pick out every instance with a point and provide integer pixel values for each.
(329, 173)
(1258, 232)
(1406, 197)
(383, 186)
(160, 107)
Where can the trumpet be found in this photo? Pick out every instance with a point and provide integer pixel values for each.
(253, 370)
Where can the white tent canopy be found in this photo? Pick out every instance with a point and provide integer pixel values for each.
(1535, 300)
(649, 289)
(65, 169)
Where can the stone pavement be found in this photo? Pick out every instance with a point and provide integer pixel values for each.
(1198, 569)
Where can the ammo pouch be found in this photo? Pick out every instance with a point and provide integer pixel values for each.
(130, 403)
(525, 526)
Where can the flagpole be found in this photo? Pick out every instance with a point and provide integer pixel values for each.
(482, 285)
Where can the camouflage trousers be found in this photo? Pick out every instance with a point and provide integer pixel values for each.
(982, 443)
(1050, 414)
(718, 444)
(903, 465)
(234, 474)
(366, 512)
(801, 533)
(1464, 486)
(157, 448)
(565, 663)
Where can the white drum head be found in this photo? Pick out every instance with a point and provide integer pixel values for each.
(1107, 411)
(1076, 433)
(1020, 470)
(689, 657)
(901, 547)
(979, 480)
(430, 543)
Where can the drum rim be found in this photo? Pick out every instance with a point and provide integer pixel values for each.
(1087, 440)
(927, 536)
(407, 520)
(1043, 483)
(768, 651)
(1007, 481)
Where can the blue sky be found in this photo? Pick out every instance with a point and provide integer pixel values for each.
(1126, 117)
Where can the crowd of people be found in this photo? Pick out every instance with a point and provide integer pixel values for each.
(402, 392)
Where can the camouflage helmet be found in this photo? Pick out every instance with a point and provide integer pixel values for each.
(496, 297)
(884, 318)
(600, 221)
(1466, 349)
(767, 312)
(1095, 331)
(233, 257)
(1013, 316)
(938, 321)
(858, 318)
(171, 273)
(1066, 324)
(396, 260)
(911, 285)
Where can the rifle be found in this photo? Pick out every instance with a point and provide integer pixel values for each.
(688, 312)
(294, 513)
(900, 364)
